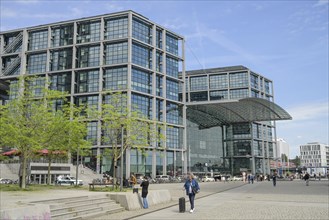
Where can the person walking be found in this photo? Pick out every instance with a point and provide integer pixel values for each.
(191, 187)
(133, 181)
(252, 178)
(307, 178)
(145, 186)
(274, 178)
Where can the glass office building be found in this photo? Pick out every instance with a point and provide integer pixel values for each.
(230, 114)
(220, 120)
(91, 56)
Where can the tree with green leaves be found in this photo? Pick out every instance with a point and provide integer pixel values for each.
(22, 123)
(29, 123)
(124, 127)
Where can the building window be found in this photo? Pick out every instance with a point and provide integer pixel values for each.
(10, 38)
(142, 56)
(38, 40)
(92, 132)
(141, 81)
(172, 67)
(254, 94)
(268, 87)
(115, 78)
(174, 113)
(238, 80)
(254, 81)
(142, 31)
(116, 28)
(116, 53)
(13, 89)
(88, 56)
(159, 62)
(87, 103)
(198, 96)
(36, 63)
(198, 83)
(61, 36)
(159, 110)
(171, 44)
(241, 148)
(159, 38)
(218, 81)
(87, 81)
(88, 32)
(159, 85)
(238, 93)
(61, 82)
(37, 86)
(61, 60)
(172, 90)
(218, 95)
(13, 70)
(172, 137)
(143, 104)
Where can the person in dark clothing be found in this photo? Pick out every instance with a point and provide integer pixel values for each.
(274, 178)
(145, 186)
(307, 178)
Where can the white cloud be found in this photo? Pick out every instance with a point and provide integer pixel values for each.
(174, 24)
(321, 3)
(309, 111)
(8, 13)
(113, 7)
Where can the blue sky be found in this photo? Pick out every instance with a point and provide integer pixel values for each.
(286, 41)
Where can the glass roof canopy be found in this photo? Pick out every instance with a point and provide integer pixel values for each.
(208, 115)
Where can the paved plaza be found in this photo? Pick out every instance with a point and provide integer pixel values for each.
(217, 200)
(288, 200)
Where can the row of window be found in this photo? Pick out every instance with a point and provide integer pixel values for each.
(90, 31)
(225, 81)
(89, 56)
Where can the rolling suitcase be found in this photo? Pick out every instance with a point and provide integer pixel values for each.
(181, 204)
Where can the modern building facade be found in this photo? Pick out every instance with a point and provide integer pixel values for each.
(229, 129)
(315, 158)
(220, 120)
(282, 155)
(89, 57)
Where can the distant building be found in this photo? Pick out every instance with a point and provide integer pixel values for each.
(315, 157)
(282, 149)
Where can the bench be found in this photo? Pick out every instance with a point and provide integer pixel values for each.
(92, 185)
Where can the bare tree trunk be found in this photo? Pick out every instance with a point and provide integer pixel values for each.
(23, 185)
(49, 165)
(115, 172)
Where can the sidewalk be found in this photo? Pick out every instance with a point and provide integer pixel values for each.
(288, 200)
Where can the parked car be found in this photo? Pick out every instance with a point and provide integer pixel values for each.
(162, 178)
(237, 178)
(207, 179)
(68, 180)
(6, 181)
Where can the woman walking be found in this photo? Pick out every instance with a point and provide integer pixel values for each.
(145, 186)
(191, 187)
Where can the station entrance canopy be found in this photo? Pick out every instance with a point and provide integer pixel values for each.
(208, 115)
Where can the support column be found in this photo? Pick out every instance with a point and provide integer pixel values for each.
(98, 163)
(127, 163)
(154, 163)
